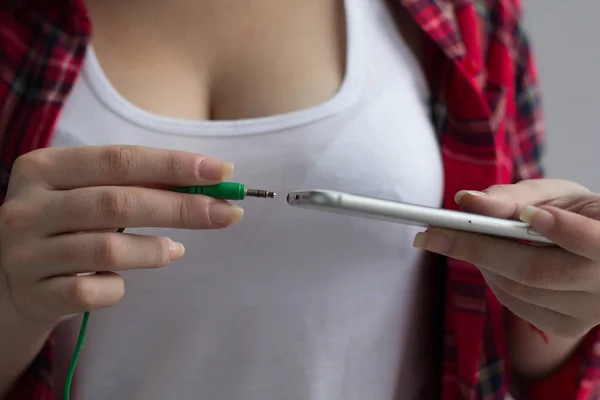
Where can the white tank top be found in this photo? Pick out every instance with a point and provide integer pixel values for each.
(288, 304)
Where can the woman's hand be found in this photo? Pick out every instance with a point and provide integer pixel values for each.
(557, 289)
(63, 206)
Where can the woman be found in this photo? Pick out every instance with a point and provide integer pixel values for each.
(404, 100)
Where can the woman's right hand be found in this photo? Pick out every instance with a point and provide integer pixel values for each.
(61, 213)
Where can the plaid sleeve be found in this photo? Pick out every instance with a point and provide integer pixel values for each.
(528, 139)
(42, 47)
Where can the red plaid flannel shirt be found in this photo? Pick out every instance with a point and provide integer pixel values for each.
(486, 110)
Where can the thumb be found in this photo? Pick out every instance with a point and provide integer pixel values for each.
(486, 203)
(573, 232)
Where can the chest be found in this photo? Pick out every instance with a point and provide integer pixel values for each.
(221, 59)
(374, 129)
(309, 286)
(225, 59)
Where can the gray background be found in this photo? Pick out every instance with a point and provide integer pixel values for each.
(565, 38)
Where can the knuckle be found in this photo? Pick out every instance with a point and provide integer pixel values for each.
(161, 251)
(176, 166)
(119, 162)
(118, 292)
(183, 215)
(203, 205)
(575, 202)
(591, 208)
(16, 216)
(116, 204)
(83, 293)
(497, 190)
(109, 251)
(30, 164)
(529, 182)
(191, 211)
(573, 186)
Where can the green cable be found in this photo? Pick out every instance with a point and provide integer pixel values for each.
(224, 191)
(82, 331)
(76, 352)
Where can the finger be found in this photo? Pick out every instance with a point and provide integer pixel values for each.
(564, 302)
(507, 201)
(573, 232)
(541, 267)
(65, 168)
(131, 207)
(73, 295)
(587, 205)
(548, 321)
(92, 252)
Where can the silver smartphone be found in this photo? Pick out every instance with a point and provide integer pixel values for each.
(411, 214)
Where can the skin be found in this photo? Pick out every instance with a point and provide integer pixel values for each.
(56, 224)
(214, 64)
(221, 59)
(557, 289)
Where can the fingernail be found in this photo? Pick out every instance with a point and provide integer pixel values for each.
(224, 213)
(176, 250)
(212, 169)
(228, 171)
(432, 241)
(540, 220)
(459, 195)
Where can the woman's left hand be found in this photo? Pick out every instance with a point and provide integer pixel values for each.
(557, 289)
